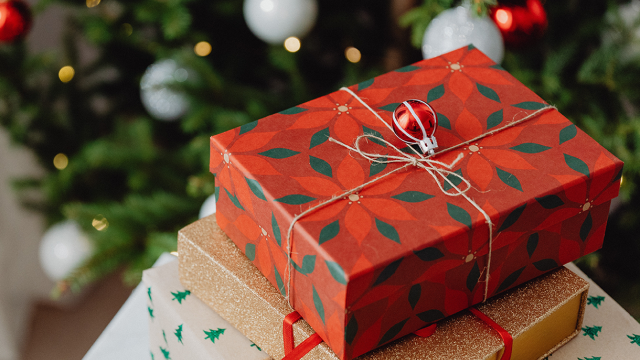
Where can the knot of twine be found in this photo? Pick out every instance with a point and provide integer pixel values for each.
(433, 167)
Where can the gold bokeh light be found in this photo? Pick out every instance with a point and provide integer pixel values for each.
(100, 223)
(60, 161)
(66, 74)
(352, 54)
(292, 44)
(127, 29)
(202, 48)
(93, 3)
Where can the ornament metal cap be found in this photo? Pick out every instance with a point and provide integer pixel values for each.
(415, 122)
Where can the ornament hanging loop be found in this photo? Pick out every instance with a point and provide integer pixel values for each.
(428, 145)
(415, 122)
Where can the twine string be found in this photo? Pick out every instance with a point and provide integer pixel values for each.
(433, 167)
(422, 162)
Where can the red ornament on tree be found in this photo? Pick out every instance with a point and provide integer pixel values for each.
(521, 22)
(15, 20)
(415, 122)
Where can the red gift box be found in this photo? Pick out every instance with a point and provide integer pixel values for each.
(381, 262)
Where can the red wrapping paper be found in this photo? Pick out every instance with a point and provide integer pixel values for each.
(400, 254)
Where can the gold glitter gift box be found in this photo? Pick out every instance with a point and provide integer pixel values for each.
(541, 315)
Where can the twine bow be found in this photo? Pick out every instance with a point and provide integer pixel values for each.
(433, 167)
(429, 165)
(444, 169)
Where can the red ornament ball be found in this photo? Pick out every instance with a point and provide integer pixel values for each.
(405, 119)
(15, 20)
(521, 22)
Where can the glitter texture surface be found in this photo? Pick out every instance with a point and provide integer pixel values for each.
(218, 273)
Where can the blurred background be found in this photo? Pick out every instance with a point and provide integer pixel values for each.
(107, 106)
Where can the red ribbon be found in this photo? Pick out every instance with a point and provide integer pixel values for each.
(507, 339)
(504, 334)
(292, 352)
(425, 332)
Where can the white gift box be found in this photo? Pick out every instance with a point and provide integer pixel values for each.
(183, 327)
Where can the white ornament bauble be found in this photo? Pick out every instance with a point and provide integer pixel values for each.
(208, 207)
(457, 27)
(273, 21)
(63, 248)
(160, 100)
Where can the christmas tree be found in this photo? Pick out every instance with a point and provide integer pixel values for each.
(213, 335)
(178, 333)
(165, 353)
(131, 172)
(595, 301)
(180, 295)
(591, 331)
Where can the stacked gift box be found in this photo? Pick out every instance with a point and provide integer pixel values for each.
(324, 212)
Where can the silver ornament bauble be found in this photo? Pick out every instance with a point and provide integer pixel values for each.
(159, 99)
(273, 21)
(457, 27)
(63, 248)
(208, 207)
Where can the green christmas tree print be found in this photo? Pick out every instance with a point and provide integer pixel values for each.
(590, 358)
(150, 312)
(179, 333)
(595, 301)
(256, 346)
(165, 353)
(165, 337)
(180, 295)
(149, 293)
(591, 331)
(635, 339)
(152, 357)
(213, 335)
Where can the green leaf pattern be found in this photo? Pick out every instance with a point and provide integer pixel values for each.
(329, 232)
(494, 119)
(318, 303)
(443, 121)
(567, 133)
(488, 92)
(459, 214)
(435, 93)
(279, 153)
(387, 230)
(576, 164)
(319, 138)
(276, 229)
(509, 179)
(320, 166)
(412, 196)
(336, 272)
(295, 199)
(292, 111)
(256, 188)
